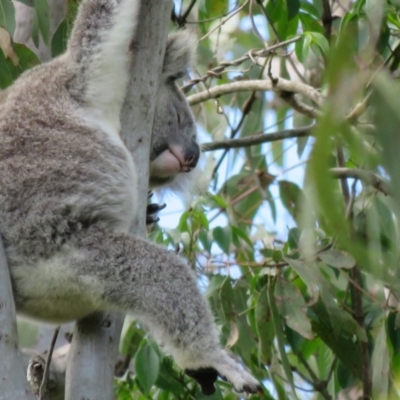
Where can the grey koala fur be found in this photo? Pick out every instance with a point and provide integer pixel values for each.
(68, 195)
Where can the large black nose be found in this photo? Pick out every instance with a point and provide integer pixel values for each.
(192, 154)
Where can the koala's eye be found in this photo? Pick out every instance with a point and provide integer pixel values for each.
(178, 119)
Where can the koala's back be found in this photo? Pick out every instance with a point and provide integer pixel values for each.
(58, 173)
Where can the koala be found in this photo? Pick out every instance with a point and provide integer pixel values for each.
(68, 197)
(174, 148)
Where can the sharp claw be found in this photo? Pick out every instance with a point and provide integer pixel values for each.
(205, 377)
(154, 208)
(252, 390)
(150, 219)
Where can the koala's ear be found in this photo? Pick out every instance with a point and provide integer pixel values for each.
(180, 54)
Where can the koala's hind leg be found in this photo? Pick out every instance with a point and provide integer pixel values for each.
(160, 290)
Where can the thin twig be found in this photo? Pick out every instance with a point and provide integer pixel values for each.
(218, 70)
(280, 84)
(327, 19)
(367, 177)
(297, 105)
(224, 21)
(43, 386)
(187, 12)
(257, 139)
(245, 111)
(271, 24)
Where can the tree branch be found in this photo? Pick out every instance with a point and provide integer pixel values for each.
(327, 19)
(13, 383)
(250, 55)
(257, 139)
(367, 177)
(280, 84)
(96, 338)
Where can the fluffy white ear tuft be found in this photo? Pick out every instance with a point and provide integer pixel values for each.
(180, 54)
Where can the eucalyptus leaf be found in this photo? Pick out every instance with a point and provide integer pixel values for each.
(147, 366)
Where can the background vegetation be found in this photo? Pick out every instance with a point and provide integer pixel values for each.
(295, 236)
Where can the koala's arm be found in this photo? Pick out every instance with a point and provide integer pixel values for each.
(123, 272)
(99, 53)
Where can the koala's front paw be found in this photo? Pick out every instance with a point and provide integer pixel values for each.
(229, 370)
(205, 377)
(152, 210)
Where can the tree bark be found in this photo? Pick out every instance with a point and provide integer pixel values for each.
(13, 383)
(96, 338)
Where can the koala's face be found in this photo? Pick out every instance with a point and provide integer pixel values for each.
(174, 147)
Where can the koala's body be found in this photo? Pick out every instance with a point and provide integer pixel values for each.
(68, 195)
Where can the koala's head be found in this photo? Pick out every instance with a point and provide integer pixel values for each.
(174, 148)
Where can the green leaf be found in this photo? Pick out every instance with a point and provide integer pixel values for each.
(205, 240)
(321, 41)
(219, 201)
(35, 30)
(132, 339)
(291, 196)
(59, 39)
(226, 299)
(343, 345)
(301, 145)
(215, 396)
(167, 380)
(293, 7)
(309, 23)
(242, 235)
(29, 3)
(25, 59)
(319, 287)
(222, 237)
(302, 48)
(213, 295)
(337, 258)
(292, 307)
(381, 366)
(280, 337)
(393, 331)
(147, 366)
(265, 327)
(309, 8)
(183, 225)
(7, 16)
(387, 121)
(42, 12)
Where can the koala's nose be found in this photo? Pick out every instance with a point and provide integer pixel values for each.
(192, 154)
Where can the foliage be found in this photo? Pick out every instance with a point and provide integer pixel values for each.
(296, 241)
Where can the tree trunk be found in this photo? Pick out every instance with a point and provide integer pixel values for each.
(13, 383)
(96, 338)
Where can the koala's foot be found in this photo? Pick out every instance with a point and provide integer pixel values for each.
(152, 210)
(227, 369)
(35, 373)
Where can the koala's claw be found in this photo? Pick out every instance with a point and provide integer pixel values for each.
(241, 380)
(152, 210)
(205, 377)
(254, 389)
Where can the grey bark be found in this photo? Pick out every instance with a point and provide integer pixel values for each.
(94, 349)
(13, 383)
